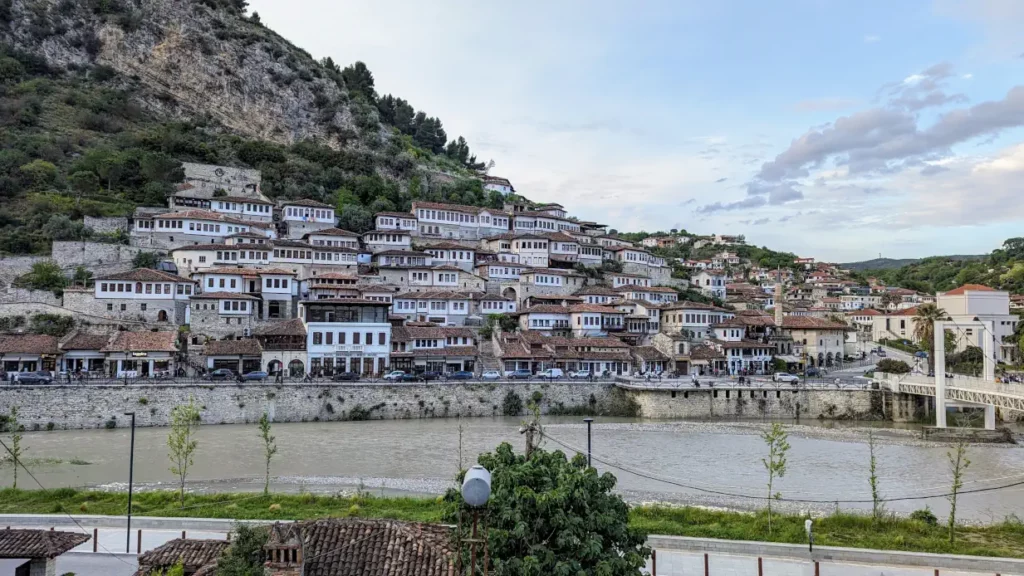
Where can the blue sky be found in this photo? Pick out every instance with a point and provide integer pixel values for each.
(838, 130)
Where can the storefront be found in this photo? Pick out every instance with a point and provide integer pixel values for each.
(28, 353)
(83, 353)
(240, 356)
(141, 354)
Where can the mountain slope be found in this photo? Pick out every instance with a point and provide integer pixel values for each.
(100, 101)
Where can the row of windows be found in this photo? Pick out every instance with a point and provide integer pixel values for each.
(294, 254)
(547, 323)
(146, 288)
(327, 338)
(527, 245)
(339, 243)
(389, 221)
(334, 257)
(451, 254)
(262, 208)
(548, 280)
(277, 283)
(445, 216)
(310, 213)
(170, 224)
(385, 237)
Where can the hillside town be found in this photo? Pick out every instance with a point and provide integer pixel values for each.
(275, 289)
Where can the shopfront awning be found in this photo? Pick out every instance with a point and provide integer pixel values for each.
(790, 359)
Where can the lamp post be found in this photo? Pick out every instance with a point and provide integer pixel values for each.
(808, 526)
(131, 473)
(476, 491)
(589, 421)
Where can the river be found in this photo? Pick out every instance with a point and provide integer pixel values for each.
(827, 461)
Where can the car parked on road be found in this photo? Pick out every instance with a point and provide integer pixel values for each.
(786, 377)
(410, 378)
(881, 353)
(580, 375)
(258, 376)
(346, 377)
(490, 375)
(521, 374)
(552, 374)
(221, 375)
(41, 377)
(429, 375)
(396, 375)
(461, 375)
(812, 372)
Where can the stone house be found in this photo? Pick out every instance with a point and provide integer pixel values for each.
(283, 346)
(221, 315)
(139, 295)
(241, 356)
(141, 354)
(418, 347)
(301, 217)
(28, 353)
(333, 237)
(385, 240)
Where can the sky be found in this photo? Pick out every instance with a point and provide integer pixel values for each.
(842, 131)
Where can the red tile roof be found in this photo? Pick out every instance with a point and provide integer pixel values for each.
(38, 543)
(246, 347)
(307, 203)
(969, 288)
(28, 344)
(143, 342)
(193, 555)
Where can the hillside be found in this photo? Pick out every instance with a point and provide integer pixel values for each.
(893, 263)
(1002, 269)
(100, 101)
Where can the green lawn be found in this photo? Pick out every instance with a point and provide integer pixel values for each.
(1004, 539)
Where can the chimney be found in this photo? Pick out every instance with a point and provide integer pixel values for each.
(778, 300)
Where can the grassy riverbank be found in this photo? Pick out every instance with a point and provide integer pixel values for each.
(1004, 539)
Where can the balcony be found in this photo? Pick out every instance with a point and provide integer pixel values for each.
(349, 348)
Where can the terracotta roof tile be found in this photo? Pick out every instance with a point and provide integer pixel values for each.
(306, 203)
(85, 341)
(968, 288)
(452, 207)
(811, 323)
(332, 232)
(28, 344)
(143, 342)
(145, 275)
(193, 554)
(246, 347)
(293, 327)
(358, 547)
(38, 543)
(223, 296)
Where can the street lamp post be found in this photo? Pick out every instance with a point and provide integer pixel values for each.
(589, 421)
(131, 474)
(476, 491)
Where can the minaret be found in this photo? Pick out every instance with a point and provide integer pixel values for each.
(778, 299)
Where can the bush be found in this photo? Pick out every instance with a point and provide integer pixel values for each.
(893, 366)
(110, 424)
(925, 515)
(512, 405)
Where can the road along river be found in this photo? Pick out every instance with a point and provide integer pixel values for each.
(713, 464)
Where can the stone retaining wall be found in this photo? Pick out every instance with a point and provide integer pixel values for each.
(92, 406)
(746, 403)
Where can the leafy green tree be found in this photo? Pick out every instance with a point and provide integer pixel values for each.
(181, 442)
(924, 329)
(84, 183)
(552, 515)
(355, 218)
(958, 464)
(777, 440)
(359, 80)
(60, 227)
(39, 173)
(57, 325)
(893, 366)
(45, 275)
(145, 260)
(14, 429)
(269, 448)
(245, 555)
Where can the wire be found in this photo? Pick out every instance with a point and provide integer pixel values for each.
(673, 482)
(77, 523)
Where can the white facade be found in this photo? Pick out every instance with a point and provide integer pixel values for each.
(710, 284)
(243, 208)
(396, 221)
(307, 212)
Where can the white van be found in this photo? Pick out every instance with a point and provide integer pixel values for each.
(552, 374)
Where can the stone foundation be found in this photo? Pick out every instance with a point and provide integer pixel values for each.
(77, 407)
(722, 403)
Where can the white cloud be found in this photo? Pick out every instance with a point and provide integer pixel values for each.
(872, 39)
(967, 76)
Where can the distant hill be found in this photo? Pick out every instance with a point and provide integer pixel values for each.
(894, 263)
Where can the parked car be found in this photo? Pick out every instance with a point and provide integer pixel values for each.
(395, 375)
(258, 376)
(410, 378)
(786, 377)
(921, 354)
(552, 374)
(880, 353)
(41, 377)
(461, 375)
(813, 372)
(520, 375)
(346, 377)
(221, 374)
(580, 375)
(429, 375)
(490, 375)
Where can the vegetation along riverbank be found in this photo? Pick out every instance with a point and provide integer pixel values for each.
(1004, 539)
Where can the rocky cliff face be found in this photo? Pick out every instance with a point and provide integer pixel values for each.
(193, 60)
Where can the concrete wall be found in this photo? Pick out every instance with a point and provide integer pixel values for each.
(76, 407)
(719, 403)
(25, 296)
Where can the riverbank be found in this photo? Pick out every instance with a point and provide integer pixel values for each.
(1005, 539)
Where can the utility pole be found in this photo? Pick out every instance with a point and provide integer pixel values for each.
(131, 473)
(589, 421)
